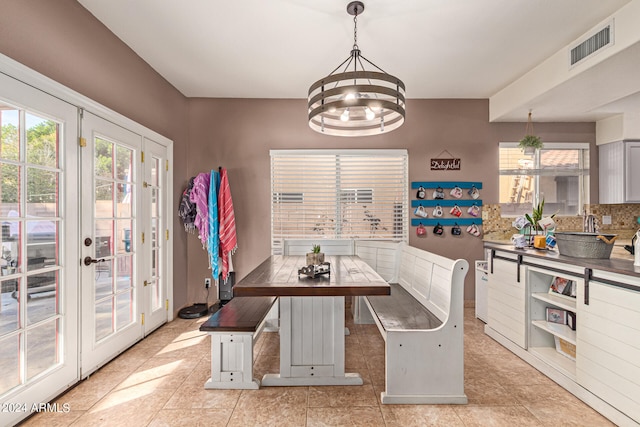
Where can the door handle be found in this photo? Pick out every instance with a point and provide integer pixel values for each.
(88, 260)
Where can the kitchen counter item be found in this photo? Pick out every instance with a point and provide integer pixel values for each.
(585, 245)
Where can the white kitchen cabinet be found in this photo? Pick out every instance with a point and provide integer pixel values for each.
(608, 340)
(603, 369)
(619, 172)
(507, 298)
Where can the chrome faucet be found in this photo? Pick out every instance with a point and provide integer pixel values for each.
(590, 224)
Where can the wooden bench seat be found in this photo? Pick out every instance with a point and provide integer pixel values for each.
(402, 311)
(422, 325)
(233, 330)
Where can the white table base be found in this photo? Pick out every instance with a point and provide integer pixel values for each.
(312, 348)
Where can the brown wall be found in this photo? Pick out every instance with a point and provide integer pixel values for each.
(63, 41)
(238, 134)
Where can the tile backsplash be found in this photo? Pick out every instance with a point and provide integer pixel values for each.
(623, 221)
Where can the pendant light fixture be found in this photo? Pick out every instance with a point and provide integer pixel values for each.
(356, 101)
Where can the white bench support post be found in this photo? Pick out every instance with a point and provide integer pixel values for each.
(232, 361)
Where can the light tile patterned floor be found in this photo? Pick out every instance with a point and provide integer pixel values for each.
(160, 382)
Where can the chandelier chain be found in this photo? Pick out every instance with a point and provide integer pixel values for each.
(355, 30)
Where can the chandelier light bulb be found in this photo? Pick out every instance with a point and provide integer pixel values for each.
(369, 113)
(345, 115)
(350, 96)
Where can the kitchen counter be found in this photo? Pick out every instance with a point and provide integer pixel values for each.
(620, 265)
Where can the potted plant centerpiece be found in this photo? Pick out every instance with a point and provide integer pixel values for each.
(315, 257)
(530, 143)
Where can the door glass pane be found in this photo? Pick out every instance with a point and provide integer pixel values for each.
(103, 166)
(103, 278)
(10, 313)
(124, 242)
(123, 200)
(10, 263)
(10, 189)
(104, 198)
(155, 206)
(42, 141)
(42, 298)
(124, 277)
(104, 318)
(124, 314)
(42, 246)
(9, 363)
(104, 238)
(42, 348)
(42, 192)
(9, 133)
(124, 160)
(155, 295)
(155, 167)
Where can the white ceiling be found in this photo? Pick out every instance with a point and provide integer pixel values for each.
(277, 48)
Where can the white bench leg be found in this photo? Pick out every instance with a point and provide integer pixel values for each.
(436, 377)
(232, 361)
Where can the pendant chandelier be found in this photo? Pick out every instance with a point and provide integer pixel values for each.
(356, 101)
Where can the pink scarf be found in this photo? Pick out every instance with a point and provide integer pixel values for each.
(200, 196)
(228, 238)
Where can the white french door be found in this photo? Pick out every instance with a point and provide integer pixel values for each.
(84, 229)
(155, 232)
(40, 250)
(112, 292)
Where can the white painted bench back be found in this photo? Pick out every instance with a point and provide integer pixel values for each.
(428, 278)
(382, 256)
(328, 247)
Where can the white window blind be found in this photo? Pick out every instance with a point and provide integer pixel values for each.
(339, 194)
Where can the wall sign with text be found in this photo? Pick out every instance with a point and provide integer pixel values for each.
(445, 164)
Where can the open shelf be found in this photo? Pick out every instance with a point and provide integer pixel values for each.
(560, 301)
(557, 330)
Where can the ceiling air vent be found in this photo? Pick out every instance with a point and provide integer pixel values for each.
(597, 41)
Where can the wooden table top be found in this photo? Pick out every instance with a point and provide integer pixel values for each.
(278, 276)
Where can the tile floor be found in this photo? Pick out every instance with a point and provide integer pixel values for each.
(159, 382)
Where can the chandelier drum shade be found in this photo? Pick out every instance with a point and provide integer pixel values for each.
(356, 101)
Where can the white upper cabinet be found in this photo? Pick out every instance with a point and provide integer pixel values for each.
(620, 172)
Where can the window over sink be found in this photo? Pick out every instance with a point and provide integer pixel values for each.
(558, 173)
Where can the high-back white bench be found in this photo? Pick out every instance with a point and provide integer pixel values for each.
(328, 247)
(423, 328)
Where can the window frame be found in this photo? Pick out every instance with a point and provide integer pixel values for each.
(582, 172)
(358, 191)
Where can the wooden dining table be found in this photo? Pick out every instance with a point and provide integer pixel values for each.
(312, 315)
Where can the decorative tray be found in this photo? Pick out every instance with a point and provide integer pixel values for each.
(314, 271)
